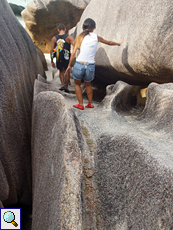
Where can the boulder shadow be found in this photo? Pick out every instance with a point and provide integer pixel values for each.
(107, 74)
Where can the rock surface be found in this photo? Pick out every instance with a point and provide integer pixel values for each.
(42, 58)
(104, 168)
(133, 159)
(146, 54)
(42, 18)
(20, 65)
(125, 160)
(56, 161)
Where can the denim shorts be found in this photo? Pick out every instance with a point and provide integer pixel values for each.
(85, 71)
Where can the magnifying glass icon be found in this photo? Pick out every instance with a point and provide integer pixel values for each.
(9, 217)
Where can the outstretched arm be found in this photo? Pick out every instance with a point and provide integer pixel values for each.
(53, 41)
(110, 43)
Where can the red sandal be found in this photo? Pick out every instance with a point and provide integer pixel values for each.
(79, 106)
(89, 106)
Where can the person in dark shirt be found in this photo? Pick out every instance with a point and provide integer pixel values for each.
(62, 41)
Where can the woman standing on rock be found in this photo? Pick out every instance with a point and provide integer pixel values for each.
(84, 66)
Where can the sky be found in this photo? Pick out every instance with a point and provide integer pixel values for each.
(19, 2)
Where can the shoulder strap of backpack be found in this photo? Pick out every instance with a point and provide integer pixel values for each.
(65, 36)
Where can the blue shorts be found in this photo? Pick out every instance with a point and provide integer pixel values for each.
(85, 71)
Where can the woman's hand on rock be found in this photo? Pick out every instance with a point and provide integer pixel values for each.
(121, 41)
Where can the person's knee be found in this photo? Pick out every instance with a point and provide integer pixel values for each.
(77, 82)
(87, 84)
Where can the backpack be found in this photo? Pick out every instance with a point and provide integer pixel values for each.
(59, 52)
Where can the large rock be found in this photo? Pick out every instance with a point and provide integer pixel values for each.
(42, 59)
(146, 55)
(42, 18)
(57, 143)
(20, 65)
(104, 168)
(133, 158)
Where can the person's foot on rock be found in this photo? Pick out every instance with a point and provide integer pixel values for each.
(67, 90)
(62, 88)
(89, 106)
(79, 106)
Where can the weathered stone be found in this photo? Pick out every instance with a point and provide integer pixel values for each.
(127, 181)
(20, 65)
(146, 54)
(158, 112)
(57, 143)
(42, 58)
(42, 18)
(89, 173)
(133, 158)
(134, 183)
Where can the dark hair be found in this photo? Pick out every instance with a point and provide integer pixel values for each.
(61, 27)
(88, 26)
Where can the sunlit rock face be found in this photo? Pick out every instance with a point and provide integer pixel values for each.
(146, 54)
(20, 65)
(43, 17)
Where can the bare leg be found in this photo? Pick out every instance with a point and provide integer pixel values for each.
(61, 75)
(53, 74)
(89, 91)
(67, 78)
(78, 91)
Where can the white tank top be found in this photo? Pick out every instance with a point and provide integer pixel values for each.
(88, 49)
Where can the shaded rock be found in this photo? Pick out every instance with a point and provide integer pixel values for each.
(158, 113)
(20, 65)
(146, 54)
(42, 58)
(57, 143)
(127, 96)
(42, 18)
(155, 113)
(135, 188)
